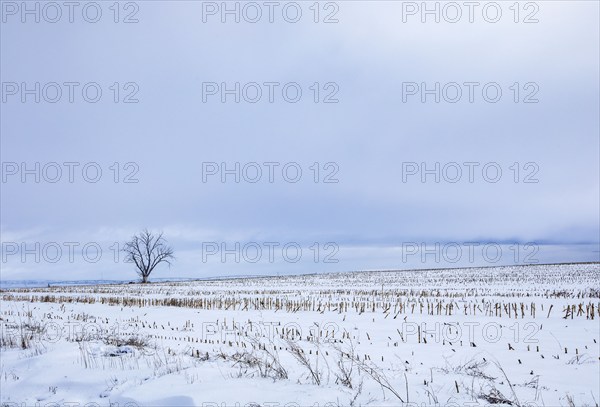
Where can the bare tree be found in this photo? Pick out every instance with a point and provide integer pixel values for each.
(147, 251)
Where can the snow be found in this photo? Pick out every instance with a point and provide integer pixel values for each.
(433, 337)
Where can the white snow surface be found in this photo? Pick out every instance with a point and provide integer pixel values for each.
(523, 335)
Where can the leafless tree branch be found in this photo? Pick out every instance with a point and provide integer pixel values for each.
(147, 251)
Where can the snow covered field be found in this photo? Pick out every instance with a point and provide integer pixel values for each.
(526, 336)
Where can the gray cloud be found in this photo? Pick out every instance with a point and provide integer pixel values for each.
(369, 54)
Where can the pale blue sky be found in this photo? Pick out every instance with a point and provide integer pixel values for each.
(370, 213)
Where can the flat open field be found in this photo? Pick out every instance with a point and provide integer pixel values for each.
(526, 336)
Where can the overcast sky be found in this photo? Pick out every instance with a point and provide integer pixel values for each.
(372, 206)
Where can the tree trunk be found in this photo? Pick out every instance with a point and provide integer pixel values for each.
(144, 279)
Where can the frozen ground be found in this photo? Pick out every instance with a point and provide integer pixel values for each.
(525, 336)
